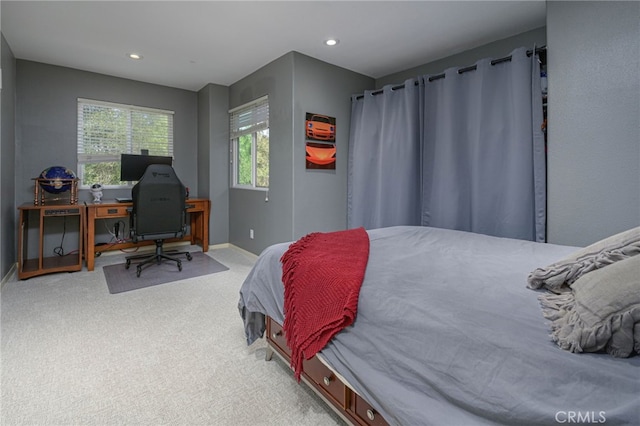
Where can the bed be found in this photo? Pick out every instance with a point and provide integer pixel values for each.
(448, 333)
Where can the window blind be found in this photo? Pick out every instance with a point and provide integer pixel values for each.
(106, 130)
(249, 118)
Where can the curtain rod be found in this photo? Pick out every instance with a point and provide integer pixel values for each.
(538, 50)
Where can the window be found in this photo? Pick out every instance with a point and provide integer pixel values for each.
(106, 130)
(249, 131)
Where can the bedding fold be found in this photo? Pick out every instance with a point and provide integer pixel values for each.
(601, 311)
(561, 274)
(322, 274)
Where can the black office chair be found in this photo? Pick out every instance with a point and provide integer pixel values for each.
(158, 213)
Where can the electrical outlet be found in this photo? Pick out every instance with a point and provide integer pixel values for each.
(251, 234)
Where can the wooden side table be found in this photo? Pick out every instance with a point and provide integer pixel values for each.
(38, 218)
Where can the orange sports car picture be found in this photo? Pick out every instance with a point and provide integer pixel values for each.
(320, 127)
(320, 155)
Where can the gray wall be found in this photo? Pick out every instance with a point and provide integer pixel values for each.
(320, 196)
(594, 148)
(594, 120)
(300, 200)
(496, 49)
(593, 158)
(213, 157)
(46, 123)
(46, 120)
(7, 161)
(271, 220)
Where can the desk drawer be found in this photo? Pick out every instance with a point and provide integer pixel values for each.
(111, 211)
(194, 205)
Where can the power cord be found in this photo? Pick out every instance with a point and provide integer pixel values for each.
(60, 250)
(120, 225)
(115, 236)
(115, 233)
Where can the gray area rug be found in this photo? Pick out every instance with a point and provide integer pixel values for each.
(120, 279)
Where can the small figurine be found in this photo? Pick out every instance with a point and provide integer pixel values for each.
(96, 191)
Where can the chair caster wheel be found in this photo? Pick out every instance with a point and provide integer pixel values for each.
(189, 257)
(138, 271)
(179, 266)
(127, 264)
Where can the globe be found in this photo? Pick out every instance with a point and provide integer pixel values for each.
(54, 184)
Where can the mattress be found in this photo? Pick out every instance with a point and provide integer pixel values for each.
(447, 332)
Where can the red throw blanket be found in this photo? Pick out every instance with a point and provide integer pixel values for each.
(322, 275)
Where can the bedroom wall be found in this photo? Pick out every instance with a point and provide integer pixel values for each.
(593, 158)
(213, 158)
(320, 196)
(248, 209)
(299, 201)
(46, 121)
(8, 208)
(594, 120)
(496, 49)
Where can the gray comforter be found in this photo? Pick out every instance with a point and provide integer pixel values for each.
(447, 333)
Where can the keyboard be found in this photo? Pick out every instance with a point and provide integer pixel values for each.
(124, 199)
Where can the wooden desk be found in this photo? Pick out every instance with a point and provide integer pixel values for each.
(199, 210)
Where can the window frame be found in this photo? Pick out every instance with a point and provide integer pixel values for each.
(256, 120)
(82, 158)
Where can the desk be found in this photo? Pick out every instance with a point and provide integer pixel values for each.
(199, 210)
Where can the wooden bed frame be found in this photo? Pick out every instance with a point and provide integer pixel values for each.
(350, 406)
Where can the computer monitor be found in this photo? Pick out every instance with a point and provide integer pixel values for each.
(133, 166)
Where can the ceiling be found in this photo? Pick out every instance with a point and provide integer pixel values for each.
(189, 44)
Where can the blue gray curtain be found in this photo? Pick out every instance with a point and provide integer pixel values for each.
(384, 184)
(461, 152)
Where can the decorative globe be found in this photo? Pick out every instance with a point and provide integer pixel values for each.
(54, 174)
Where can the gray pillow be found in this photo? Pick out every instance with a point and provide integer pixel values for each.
(559, 275)
(602, 311)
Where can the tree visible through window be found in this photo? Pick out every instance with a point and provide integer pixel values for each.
(106, 130)
(249, 129)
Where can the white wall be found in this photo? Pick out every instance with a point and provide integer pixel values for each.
(594, 120)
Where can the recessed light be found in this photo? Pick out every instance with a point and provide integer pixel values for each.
(135, 56)
(331, 42)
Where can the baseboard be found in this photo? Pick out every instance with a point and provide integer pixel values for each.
(220, 246)
(241, 250)
(10, 275)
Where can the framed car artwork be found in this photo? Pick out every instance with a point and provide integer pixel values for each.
(320, 143)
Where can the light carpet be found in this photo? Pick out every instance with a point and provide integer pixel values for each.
(73, 354)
